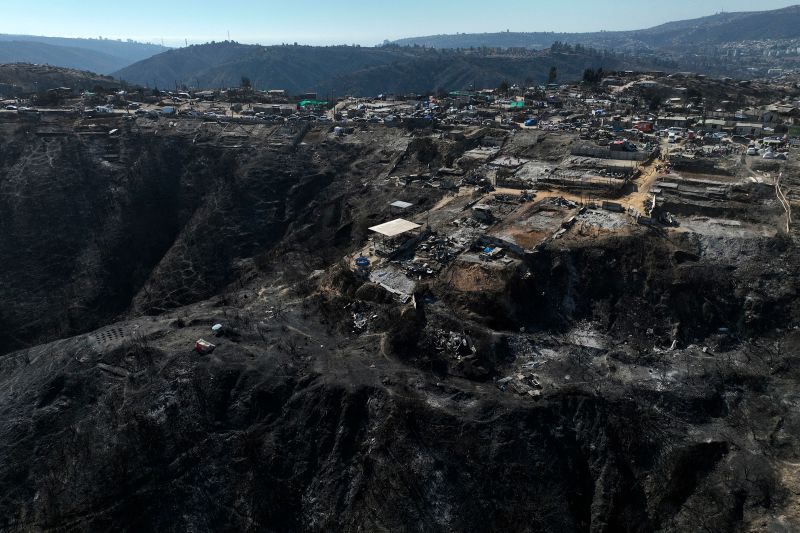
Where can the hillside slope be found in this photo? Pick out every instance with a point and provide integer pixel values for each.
(457, 71)
(97, 55)
(296, 68)
(120, 251)
(354, 70)
(714, 29)
(24, 78)
(62, 56)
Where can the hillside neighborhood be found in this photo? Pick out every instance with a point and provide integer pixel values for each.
(508, 281)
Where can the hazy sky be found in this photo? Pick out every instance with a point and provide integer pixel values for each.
(341, 21)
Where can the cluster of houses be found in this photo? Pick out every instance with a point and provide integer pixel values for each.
(621, 105)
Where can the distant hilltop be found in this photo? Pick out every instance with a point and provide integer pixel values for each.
(24, 78)
(716, 29)
(356, 70)
(744, 45)
(103, 56)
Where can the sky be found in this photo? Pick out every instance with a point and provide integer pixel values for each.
(365, 22)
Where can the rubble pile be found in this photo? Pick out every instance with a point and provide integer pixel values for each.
(457, 345)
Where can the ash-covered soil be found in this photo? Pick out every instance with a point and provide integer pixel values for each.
(634, 379)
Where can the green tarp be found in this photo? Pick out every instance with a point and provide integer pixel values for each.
(305, 103)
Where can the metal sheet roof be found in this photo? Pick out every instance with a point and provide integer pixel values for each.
(394, 227)
(401, 204)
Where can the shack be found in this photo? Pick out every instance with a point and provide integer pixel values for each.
(395, 235)
(749, 128)
(398, 206)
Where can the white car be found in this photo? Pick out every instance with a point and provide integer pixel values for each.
(752, 150)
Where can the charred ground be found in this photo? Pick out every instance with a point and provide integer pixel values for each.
(619, 378)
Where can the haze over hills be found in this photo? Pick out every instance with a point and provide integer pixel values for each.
(97, 55)
(456, 61)
(734, 44)
(715, 29)
(62, 56)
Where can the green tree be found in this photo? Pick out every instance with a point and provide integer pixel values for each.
(503, 88)
(593, 77)
(655, 102)
(553, 75)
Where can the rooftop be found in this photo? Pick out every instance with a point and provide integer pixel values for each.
(395, 227)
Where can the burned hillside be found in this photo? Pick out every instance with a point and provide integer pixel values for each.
(431, 321)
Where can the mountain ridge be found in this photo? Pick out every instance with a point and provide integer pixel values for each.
(354, 69)
(96, 55)
(718, 28)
